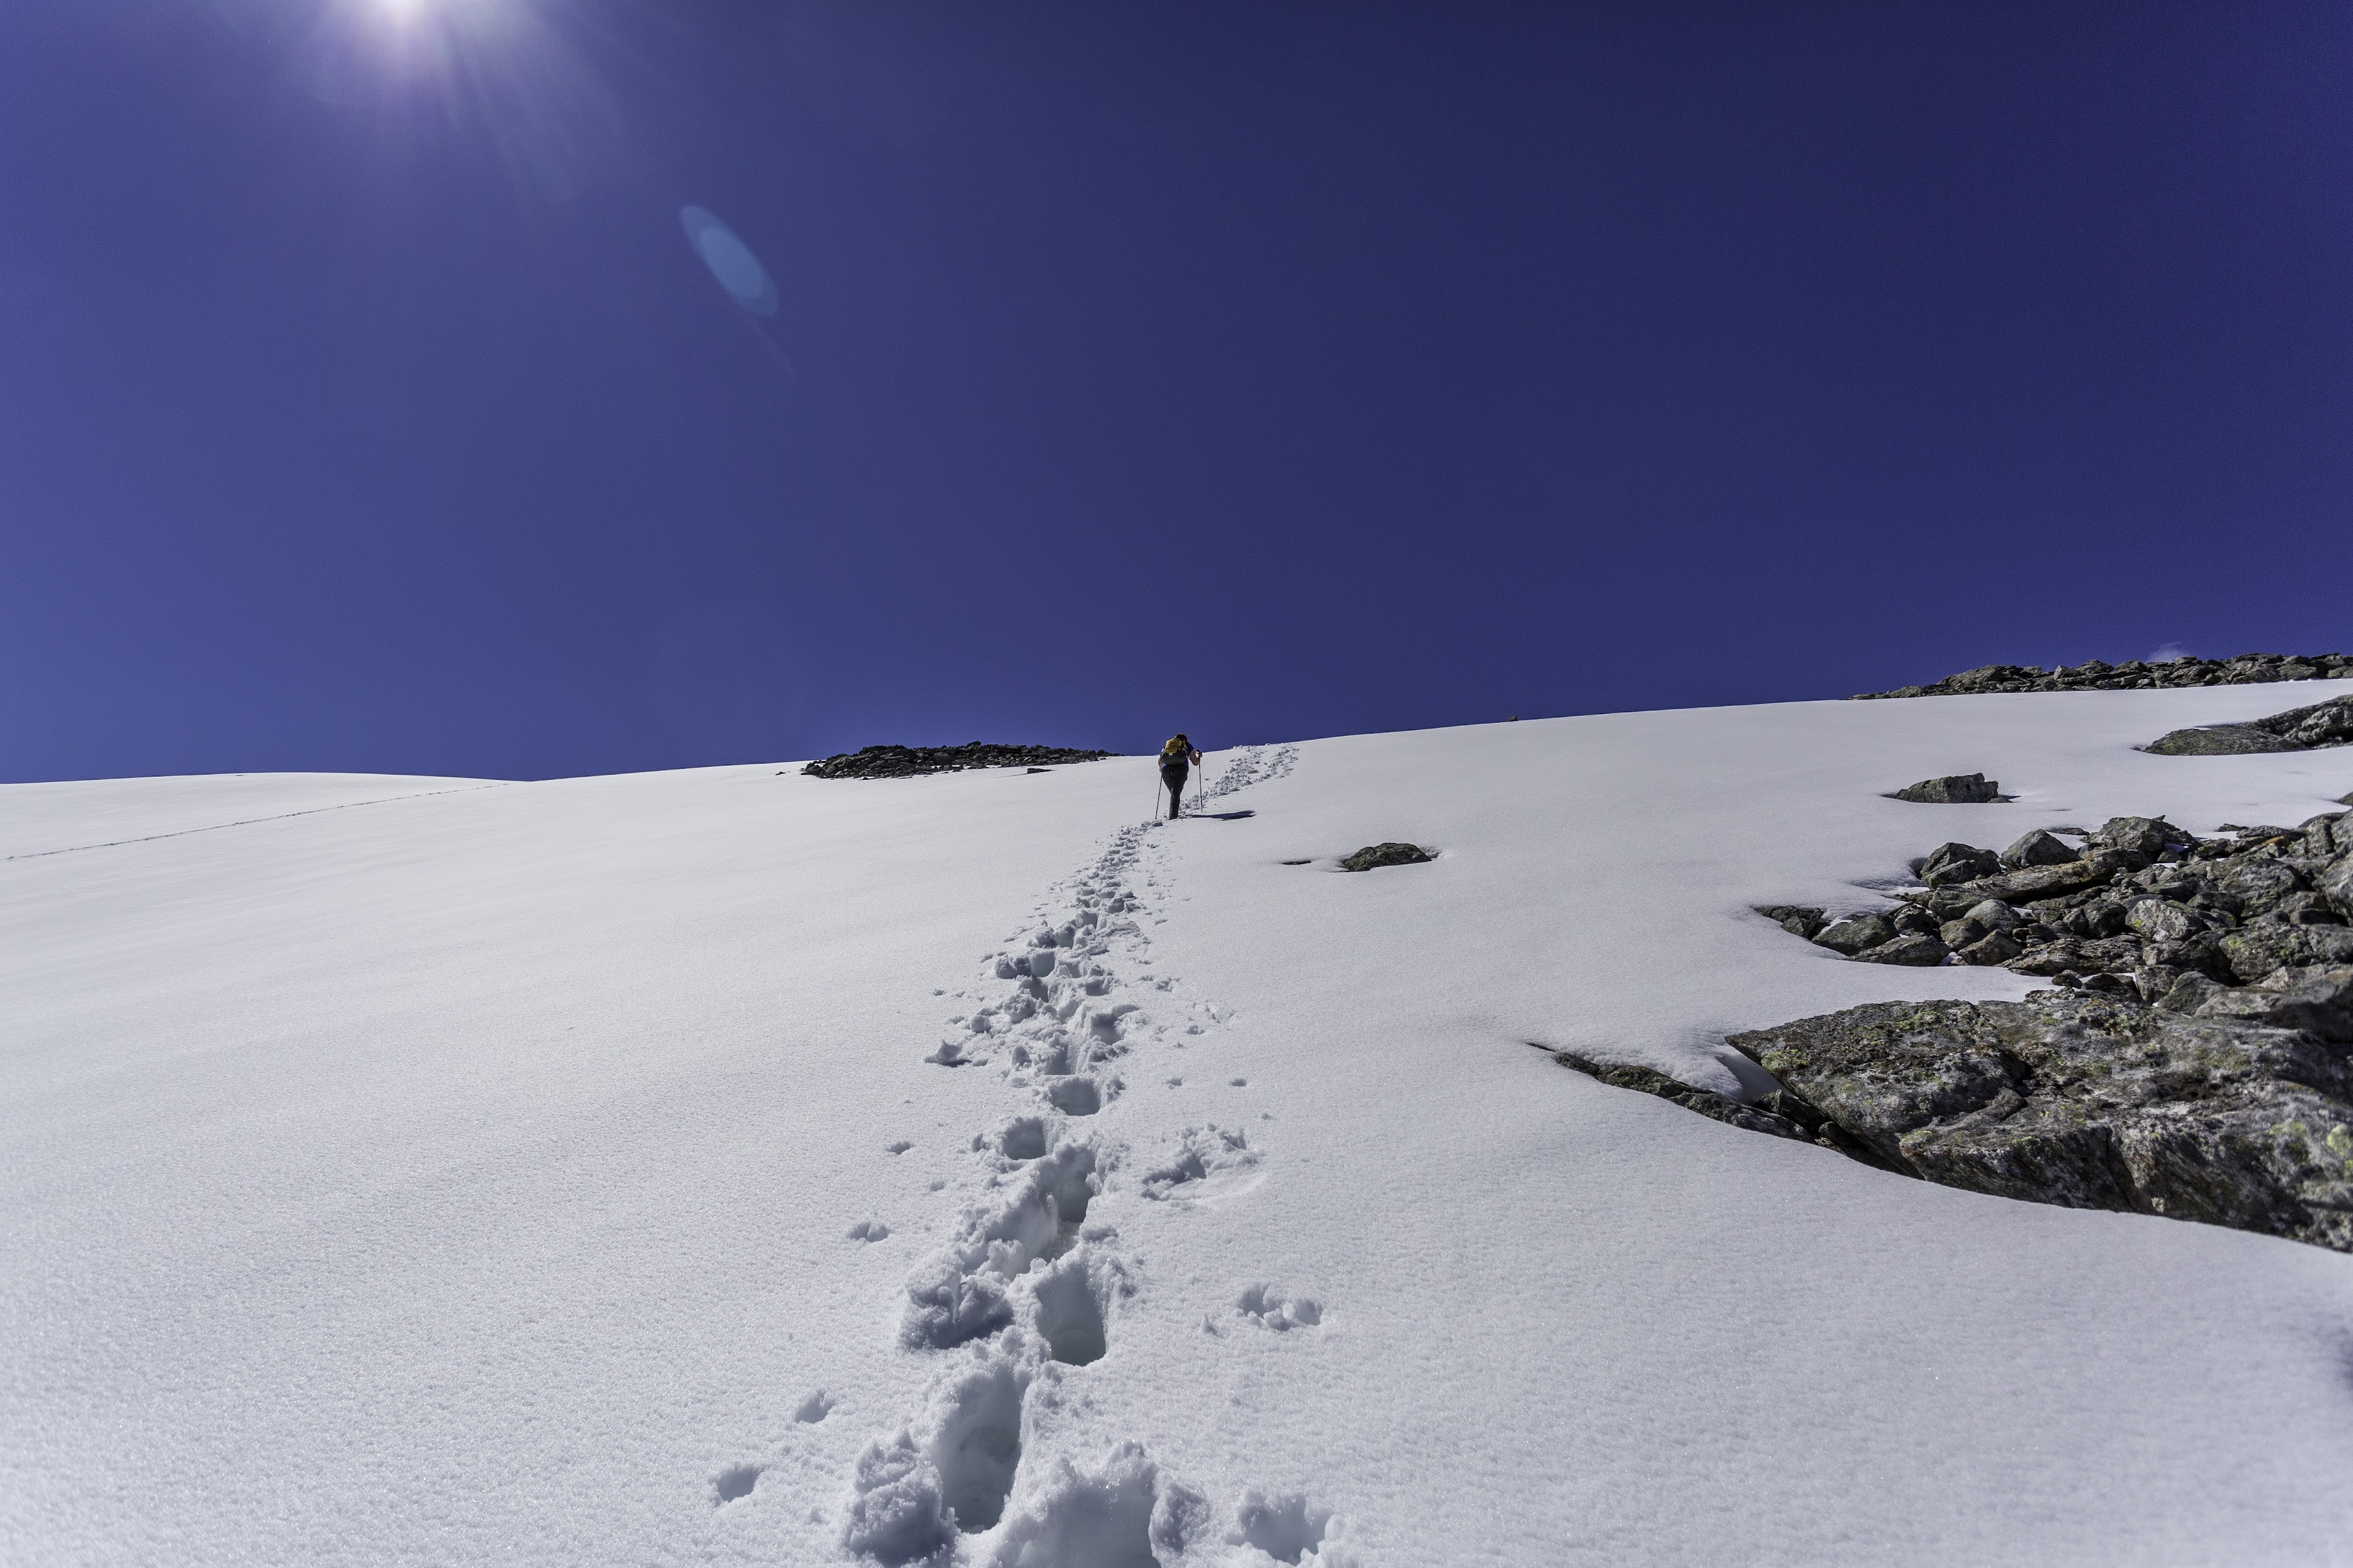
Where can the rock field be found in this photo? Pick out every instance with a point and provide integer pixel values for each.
(2195, 1057)
(906, 761)
(2096, 675)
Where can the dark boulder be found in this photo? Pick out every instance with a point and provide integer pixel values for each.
(1994, 948)
(1798, 919)
(1958, 863)
(1953, 789)
(1917, 951)
(1856, 934)
(2148, 837)
(2038, 847)
(2038, 882)
(1377, 855)
(2328, 836)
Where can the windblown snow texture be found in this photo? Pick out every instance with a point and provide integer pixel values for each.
(726, 1167)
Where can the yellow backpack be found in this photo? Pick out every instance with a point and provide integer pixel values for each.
(1177, 749)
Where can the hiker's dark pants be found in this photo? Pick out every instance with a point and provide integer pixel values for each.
(1174, 777)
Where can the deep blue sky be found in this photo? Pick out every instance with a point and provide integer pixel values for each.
(1265, 370)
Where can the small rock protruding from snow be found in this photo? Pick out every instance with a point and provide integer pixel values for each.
(1373, 855)
(1951, 789)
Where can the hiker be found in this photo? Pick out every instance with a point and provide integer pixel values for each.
(1175, 757)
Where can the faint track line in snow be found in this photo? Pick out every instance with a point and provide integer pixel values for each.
(1028, 1288)
(250, 821)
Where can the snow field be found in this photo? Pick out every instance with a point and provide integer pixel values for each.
(711, 1167)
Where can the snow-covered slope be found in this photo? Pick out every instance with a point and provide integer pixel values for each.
(469, 1176)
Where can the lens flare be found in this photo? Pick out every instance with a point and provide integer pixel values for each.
(730, 261)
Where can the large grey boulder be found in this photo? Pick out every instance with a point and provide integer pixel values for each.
(2039, 882)
(2328, 724)
(2089, 1101)
(2328, 836)
(1856, 933)
(1916, 950)
(2038, 847)
(2220, 740)
(1953, 789)
(1957, 862)
(2148, 837)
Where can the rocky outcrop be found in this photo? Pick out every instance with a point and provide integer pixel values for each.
(2097, 675)
(2093, 1101)
(1953, 789)
(2137, 908)
(905, 761)
(2328, 724)
(1375, 855)
(2195, 1058)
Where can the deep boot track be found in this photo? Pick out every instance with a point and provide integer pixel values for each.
(1027, 1290)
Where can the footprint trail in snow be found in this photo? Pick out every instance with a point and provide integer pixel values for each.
(1027, 1289)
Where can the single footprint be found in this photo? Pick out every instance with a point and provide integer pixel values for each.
(899, 1145)
(1268, 1309)
(1285, 1528)
(1242, 1083)
(736, 1482)
(813, 1409)
(869, 1230)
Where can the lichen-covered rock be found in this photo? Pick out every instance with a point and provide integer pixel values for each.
(2256, 950)
(2091, 1101)
(1376, 854)
(1953, 789)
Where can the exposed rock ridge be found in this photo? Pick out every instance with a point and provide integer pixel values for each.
(2328, 724)
(2195, 1059)
(2097, 675)
(905, 761)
